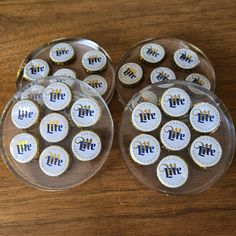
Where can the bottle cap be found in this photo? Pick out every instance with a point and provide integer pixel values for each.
(65, 73)
(152, 53)
(175, 102)
(34, 93)
(206, 151)
(175, 135)
(162, 74)
(97, 82)
(36, 69)
(145, 149)
(186, 59)
(24, 114)
(85, 112)
(172, 171)
(61, 53)
(145, 96)
(54, 161)
(94, 60)
(86, 145)
(130, 74)
(146, 117)
(54, 127)
(199, 79)
(57, 96)
(204, 117)
(24, 147)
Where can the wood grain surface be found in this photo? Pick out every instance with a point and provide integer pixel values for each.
(114, 202)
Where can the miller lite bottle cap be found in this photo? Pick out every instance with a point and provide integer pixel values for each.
(54, 161)
(86, 145)
(85, 112)
(175, 135)
(172, 171)
(162, 74)
(36, 69)
(130, 74)
(57, 96)
(24, 147)
(152, 53)
(54, 127)
(146, 117)
(97, 82)
(206, 151)
(145, 149)
(65, 73)
(24, 114)
(175, 102)
(199, 79)
(204, 117)
(94, 60)
(186, 59)
(61, 53)
(34, 93)
(145, 96)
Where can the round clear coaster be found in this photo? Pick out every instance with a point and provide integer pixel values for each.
(84, 162)
(102, 80)
(202, 140)
(167, 66)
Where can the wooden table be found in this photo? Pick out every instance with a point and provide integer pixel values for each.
(114, 202)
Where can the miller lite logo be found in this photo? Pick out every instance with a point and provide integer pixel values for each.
(55, 94)
(152, 52)
(86, 145)
(174, 133)
(53, 159)
(23, 146)
(145, 149)
(146, 116)
(172, 171)
(206, 151)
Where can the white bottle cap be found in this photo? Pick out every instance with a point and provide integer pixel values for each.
(34, 93)
(130, 74)
(206, 151)
(145, 149)
(172, 171)
(175, 102)
(162, 74)
(24, 147)
(54, 161)
(186, 59)
(57, 96)
(152, 52)
(94, 60)
(204, 117)
(175, 135)
(85, 112)
(36, 69)
(65, 73)
(145, 96)
(61, 53)
(24, 114)
(199, 79)
(54, 127)
(146, 117)
(97, 82)
(86, 145)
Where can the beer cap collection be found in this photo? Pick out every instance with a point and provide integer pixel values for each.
(159, 60)
(54, 129)
(175, 157)
(70, 57)
(175, 135)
